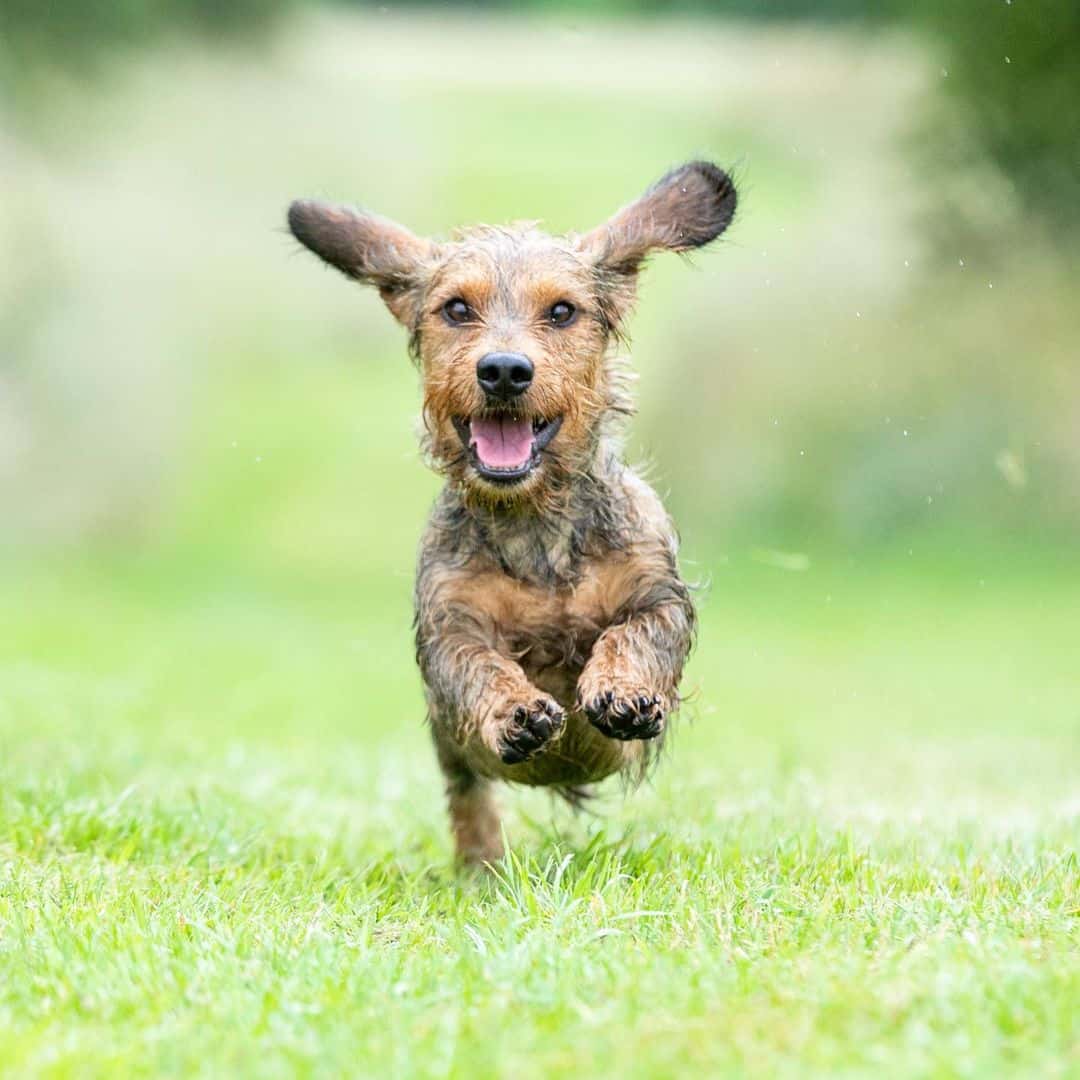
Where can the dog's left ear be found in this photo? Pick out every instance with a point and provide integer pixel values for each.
(690, 206)
(367, 248)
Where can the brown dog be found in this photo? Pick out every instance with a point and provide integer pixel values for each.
(551, 621)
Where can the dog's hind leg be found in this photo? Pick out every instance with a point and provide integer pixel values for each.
(474, 814)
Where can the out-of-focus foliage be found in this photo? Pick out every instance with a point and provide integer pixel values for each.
(75, 34)
(817, 10)
(825, 374)
(1012, 74)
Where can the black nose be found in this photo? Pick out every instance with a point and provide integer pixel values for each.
(504, 375)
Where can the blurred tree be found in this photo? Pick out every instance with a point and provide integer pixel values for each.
(1012, 83)
(76, 33)
(1012, 79)
(751, 9)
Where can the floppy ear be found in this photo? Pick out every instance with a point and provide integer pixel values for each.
(685, 209)
(367, 248)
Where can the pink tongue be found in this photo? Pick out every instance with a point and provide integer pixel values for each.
(502, 443)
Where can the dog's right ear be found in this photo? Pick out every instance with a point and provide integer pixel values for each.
(369, 249)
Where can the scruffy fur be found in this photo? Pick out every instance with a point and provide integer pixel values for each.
(552, 624)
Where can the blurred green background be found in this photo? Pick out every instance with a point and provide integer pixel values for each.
(862, 407)
(884, 348)
(874, 378)
(869, 389)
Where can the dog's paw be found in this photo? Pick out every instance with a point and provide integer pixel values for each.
(638, 716)
(530, 728)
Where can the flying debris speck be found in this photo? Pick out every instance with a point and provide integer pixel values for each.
(1012, 469)
(797, 561)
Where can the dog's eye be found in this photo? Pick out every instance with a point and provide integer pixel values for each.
(457, 311)
(562, 313)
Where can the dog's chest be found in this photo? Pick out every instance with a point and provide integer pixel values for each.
(552, 625)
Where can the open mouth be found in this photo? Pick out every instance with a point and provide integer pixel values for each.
(505, 449)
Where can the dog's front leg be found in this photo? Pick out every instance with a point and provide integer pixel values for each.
(631, 681)
(484, 701)
(485, 715)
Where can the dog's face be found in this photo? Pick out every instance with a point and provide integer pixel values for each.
(512, 326)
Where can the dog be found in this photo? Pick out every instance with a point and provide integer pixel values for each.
(552, 623)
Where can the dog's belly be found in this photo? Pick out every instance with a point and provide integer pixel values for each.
(554, 661)
(581, 755)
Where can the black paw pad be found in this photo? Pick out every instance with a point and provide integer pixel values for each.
(638, 717)
(530, 728)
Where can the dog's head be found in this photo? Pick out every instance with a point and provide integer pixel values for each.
(512, 326)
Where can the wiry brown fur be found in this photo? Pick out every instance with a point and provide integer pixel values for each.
(551, 621)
